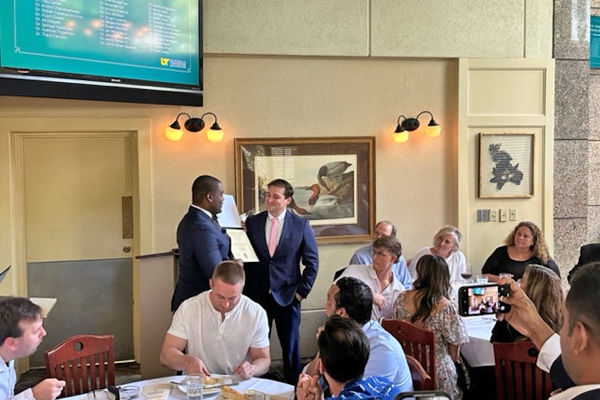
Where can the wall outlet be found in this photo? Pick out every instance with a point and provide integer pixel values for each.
(503, 215)
(493, 215)
(512, 215)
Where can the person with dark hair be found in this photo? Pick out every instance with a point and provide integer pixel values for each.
(351, 298)
(572, 357)
(282, 240)
(589, 253)
(364, 255)
(21, 332)
(379, 276)
(224, 331)
(523, 246)
(202, 242)
(428, 305)
(344, 350)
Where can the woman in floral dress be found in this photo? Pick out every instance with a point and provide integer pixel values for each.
(429, 307)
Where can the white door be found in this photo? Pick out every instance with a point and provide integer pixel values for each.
(79, 235)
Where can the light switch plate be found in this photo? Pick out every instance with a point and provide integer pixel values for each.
(503, 215)
(494, 215)
(512, 214)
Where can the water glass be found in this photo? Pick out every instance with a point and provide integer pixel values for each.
(482, 279)
(252, 394)
(194, 386)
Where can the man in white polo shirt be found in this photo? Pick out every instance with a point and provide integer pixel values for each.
(224, 331)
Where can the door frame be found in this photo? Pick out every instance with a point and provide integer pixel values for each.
(13, 131)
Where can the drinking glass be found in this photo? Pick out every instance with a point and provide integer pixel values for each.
(506, 275)
(467, 274)
(252, 394)
(482, 279)
(194, 386)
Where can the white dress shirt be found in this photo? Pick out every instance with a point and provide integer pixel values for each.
(268, 224)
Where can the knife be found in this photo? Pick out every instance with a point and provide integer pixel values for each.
(217, 385)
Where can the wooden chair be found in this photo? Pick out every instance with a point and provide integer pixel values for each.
(416, 342)
(517, 376)
(85, 362)
(421, 379)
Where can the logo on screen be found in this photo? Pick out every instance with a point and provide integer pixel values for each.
(164, 61)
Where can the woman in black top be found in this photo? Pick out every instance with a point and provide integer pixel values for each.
(525, 245)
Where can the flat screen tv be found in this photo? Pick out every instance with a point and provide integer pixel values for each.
(139, 51)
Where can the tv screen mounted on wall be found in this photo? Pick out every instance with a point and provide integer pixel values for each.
(140, 51)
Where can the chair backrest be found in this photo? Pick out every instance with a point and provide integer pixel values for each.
(416, 342)
(85, 362)
(421, 379)
(517, 376)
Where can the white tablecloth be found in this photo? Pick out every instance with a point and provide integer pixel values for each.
(479, 352)
(278, 390)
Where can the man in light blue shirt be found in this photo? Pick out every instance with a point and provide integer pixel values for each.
(21, 332)
(352, 298)
(364, 255)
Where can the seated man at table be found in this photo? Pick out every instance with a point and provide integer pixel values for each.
(364, 255)
(573, 356)
(379, 276)
(224, 331)
(352, 298)
(21, 333)
(344, 352)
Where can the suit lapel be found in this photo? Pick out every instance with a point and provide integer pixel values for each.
(287, 228)
(261, 239)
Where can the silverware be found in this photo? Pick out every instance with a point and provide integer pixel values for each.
(217, 385)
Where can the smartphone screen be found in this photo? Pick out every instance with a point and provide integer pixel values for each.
(480, 300)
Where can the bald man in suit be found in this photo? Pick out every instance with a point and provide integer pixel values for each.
(203, 244)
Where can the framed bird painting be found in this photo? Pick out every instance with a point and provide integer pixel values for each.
(506, 165)
(333, 180)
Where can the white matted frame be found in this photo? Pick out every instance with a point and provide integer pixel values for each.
(506, 165)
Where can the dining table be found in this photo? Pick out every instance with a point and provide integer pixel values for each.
(479, 352)
(273, 390)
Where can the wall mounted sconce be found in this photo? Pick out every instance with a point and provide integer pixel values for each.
(194, 124)
(407, 125)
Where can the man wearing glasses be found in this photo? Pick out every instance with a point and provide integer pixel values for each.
(380, 277)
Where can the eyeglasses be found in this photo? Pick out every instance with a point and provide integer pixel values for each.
(380, 254)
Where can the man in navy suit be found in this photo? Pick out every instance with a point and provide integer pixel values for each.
(202, 242)
(573, 358)
(281, 241)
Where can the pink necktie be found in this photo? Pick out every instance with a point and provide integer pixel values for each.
(273, 236)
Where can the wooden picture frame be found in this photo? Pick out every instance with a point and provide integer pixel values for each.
(333, 178)
(506, 162)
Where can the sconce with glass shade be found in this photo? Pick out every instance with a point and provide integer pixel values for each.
(194, 124)
(407, 125)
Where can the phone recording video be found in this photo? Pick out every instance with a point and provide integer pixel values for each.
(482, 299)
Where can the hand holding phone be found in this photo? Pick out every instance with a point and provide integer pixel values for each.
(482, 299)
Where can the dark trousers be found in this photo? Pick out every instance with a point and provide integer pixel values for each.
(287, 322)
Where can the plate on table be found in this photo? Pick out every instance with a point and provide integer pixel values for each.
(214, 379)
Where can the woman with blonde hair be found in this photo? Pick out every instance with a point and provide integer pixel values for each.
(524, 245)
(545, 289)
(428, 306)
(446, 244)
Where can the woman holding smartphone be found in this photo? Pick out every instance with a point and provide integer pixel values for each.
(524, 245)
(428, 306)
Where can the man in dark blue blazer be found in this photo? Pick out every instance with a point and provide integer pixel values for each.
(573, 356)
(202, 242)
(282, 240)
